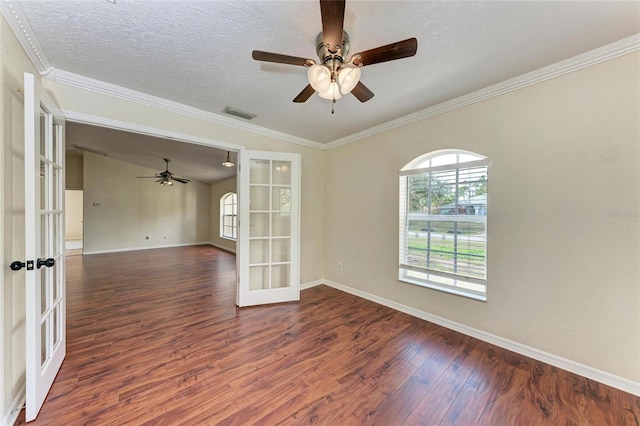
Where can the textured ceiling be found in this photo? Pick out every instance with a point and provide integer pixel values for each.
(198, 53)
(196, 162)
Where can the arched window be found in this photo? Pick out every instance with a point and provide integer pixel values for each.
(229, 215)
(443, 222)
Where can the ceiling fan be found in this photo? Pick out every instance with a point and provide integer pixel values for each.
(166, 178)
(333, 76)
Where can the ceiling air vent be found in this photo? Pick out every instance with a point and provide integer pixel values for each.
(239, 113)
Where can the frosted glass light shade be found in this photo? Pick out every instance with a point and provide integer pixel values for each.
(333, 92)
(319, 77)
(348, 79)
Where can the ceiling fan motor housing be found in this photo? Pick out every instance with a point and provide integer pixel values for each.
(332, 60)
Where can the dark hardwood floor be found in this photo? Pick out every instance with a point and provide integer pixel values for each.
(154, 338)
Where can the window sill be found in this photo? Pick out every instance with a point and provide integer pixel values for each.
(228, 238)
(445, 288)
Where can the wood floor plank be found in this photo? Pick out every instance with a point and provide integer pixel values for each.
(154, 338)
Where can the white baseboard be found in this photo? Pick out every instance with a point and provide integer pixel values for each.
(221, 248)
(310, 284)
(612, 380)
(14, 410)
(117, 250)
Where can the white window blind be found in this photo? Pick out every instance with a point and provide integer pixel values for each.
(443, 223)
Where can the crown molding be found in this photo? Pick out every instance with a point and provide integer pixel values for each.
(97, 86)
(584, 60)
(20, 26)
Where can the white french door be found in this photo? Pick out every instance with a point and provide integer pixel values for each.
(44, 244)
(269, 237)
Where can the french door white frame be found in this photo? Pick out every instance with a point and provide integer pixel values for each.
(268, 245)
(45, 312)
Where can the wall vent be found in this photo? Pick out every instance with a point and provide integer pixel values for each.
(239, 113)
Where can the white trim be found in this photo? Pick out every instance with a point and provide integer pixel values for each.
(609, 379)
(97, 86)
(118, 250)
(80, 117)
(14, 16)
(227, 249)
(311, 284)
(20, 26)
(14, 409)
(578, 62)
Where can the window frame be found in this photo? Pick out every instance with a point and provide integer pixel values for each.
(233, 236)
(474, 287)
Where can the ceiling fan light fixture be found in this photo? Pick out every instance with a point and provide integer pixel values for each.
(348, 79)
(319, 77)
(228, 162)
(333, 92)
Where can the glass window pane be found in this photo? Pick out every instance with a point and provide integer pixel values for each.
(54, 142)
(44, 347)
(259, 225)
(56, 325)
(44, 181)
(258, 251)
(281, 250)
(280, 276)
(281, 199)
(259, 198)
(260, 172)
(44, 299)
(258, 277)
(282, 173)
(281, 225)
(43, 133)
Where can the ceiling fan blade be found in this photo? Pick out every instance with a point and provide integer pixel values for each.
(332, 22)
(181, 180)
(304, 95)
(147, 177)
(259, 55)
(390, 52)
(362, 92)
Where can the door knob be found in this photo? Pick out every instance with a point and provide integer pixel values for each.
(46, 262)
(17, 265)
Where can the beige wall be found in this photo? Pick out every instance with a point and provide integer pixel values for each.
(73, 214)
(312, 165)
(563, 274)
(218, 189)
(121, 211)
(13, 63)
(73, 169)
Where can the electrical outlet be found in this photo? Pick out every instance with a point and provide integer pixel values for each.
(340, 266)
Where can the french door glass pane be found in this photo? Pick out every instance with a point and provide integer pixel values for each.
(280, 276)
(44, 348)
(43, 133)
(259, 225)
(281, 225)
(282, 173)
(258, 251)
(259, 198)
(44, 300)
(56, 325)
(281, 250)
(258, 277)
(260, 172)
(44, 181)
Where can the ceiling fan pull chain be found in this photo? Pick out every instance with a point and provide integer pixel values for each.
(332, 104)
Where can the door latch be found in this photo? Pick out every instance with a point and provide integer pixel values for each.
(17, 265)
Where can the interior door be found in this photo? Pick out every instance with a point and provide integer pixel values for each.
(269, 241)
(44, 233)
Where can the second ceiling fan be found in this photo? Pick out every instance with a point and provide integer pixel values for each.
(334, 75)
